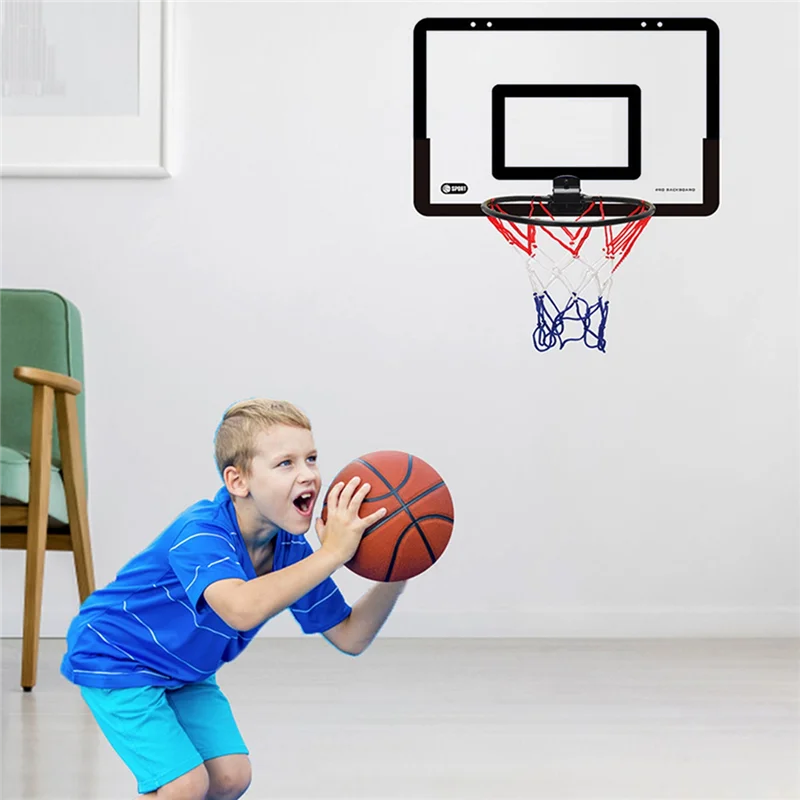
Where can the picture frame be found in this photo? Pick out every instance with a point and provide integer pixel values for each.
(70, 136)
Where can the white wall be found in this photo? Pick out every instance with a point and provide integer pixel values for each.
(649, 491)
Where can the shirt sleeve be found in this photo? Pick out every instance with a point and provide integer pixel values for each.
(324, 606)
(201, 556)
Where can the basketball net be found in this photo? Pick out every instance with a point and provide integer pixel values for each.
(571, 269)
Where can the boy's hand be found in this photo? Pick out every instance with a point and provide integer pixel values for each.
(342, 533)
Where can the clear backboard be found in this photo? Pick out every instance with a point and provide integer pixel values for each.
(502, 106)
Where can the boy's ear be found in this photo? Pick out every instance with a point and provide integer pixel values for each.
(235, 482)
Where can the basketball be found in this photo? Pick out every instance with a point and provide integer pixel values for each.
(419, 515)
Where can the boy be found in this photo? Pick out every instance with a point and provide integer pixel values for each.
(145, 649)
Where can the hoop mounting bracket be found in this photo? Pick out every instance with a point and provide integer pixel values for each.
(567, 198)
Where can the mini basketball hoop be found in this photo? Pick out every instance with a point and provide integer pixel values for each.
(571, 272)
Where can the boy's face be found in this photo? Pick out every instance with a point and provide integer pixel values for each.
(284, 481)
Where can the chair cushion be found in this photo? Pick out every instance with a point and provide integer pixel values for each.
(42, 329)
(15, 479)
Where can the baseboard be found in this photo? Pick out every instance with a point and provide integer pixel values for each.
(556, 623)
(782, 622)
(578, 623)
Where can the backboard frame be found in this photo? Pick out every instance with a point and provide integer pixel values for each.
(422, 145)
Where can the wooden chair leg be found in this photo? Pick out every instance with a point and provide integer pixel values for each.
(75, 490)
(39, 501)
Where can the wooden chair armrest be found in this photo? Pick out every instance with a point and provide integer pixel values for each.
(42, 377)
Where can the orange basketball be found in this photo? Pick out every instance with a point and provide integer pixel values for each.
(418, 521)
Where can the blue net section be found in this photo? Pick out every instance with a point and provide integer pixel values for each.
(578, 321)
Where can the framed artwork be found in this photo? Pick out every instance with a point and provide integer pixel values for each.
(85, 88)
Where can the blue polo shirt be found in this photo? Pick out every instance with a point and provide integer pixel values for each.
(151, 626)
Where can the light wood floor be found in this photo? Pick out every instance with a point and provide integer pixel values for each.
(461, 719)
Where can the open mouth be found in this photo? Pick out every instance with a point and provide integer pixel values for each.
(304, 502)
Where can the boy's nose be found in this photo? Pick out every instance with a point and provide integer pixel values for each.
(307, 475)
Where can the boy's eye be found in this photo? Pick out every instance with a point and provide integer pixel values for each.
(312, 459)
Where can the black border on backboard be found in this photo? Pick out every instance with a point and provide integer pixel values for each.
(422, 200)
(630, 171)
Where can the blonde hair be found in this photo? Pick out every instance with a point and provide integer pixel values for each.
(235, 440)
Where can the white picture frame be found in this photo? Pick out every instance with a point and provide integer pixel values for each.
(95, 145)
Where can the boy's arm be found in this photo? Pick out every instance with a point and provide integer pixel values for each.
(356, 633)
(245, 605)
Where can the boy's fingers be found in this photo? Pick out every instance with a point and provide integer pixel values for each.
(373, 518)
(347, 493)
(359, 496)
(334, 494)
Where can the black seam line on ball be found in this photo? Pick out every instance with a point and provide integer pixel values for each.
(392, 489)
(403, 535)
(395, 489)
(404, 506)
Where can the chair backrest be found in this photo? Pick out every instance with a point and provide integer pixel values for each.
(42, 329)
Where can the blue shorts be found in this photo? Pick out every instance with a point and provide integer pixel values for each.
(161, 733)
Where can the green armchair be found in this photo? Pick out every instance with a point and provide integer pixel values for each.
(42, 477)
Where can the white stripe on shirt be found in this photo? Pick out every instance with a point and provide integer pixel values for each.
(194, 616)
(152, 633)
(212, 564)
(195, 535)
(111, 643)
(306, 610)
